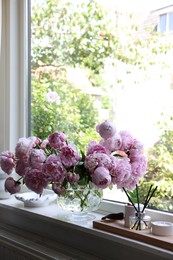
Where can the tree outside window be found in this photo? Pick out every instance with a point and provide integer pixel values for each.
(91, 62)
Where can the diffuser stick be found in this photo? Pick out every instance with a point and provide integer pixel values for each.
(137, 194)
(150, 197)
(146, 199)
(130, 199)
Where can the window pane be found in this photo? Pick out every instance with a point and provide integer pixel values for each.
(163, 23)
(92, 61)
(171, 22)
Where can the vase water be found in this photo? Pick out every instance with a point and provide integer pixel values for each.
(79, 201)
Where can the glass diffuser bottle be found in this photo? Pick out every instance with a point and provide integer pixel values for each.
(139, 221)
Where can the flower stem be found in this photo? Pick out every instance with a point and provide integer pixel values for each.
(82, 201)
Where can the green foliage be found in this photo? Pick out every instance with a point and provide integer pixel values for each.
(160, 168)
(66, 34)
(71, 34)
(106, 104)
(75, 115)
(85, 34)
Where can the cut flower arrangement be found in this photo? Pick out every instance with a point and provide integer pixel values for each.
(117, 159)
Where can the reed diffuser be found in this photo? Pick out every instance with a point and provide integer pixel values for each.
(140, 221)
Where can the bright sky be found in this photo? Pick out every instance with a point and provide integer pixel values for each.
(137, 5)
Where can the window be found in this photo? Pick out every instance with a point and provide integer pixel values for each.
(166, 22)
(163, 23)
(13, 86)
(14, 94)
(90, 53)
(171, 22)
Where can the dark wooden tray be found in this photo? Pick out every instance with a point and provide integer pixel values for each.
(117, 227)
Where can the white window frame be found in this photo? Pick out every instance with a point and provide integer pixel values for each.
(167, 22)
(14, 84)
(13, 73)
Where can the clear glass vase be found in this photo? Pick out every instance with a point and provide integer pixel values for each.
(80, 200)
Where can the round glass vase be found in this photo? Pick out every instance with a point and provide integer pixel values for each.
(79, 201)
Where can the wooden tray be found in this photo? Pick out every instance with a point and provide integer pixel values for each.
(117, 227)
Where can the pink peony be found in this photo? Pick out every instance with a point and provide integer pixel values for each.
(57, 140)
(95, 147)
(69, 157)
(97, 160)
(7, 162)
(127, 141)
(44, 144)
(121, 169)
(58, 189)
(35, 180)
(72, 177)
(113, 143)
(24, 147)
(130, 184)
(113, 165)
(101, 177)
(53, 170)
(21, 166)
(37, 158)
(138, 145)
(11, 185)
(135, 155)
(35, 140)
(139, 166)
(106, 129)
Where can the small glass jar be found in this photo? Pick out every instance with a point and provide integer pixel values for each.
(139, 221)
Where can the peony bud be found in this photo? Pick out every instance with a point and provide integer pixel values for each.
(106, 129)
(11, 185)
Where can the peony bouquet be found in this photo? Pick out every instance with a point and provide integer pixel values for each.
(117, 159)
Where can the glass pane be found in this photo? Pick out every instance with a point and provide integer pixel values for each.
(171, 22)
(163, 23)
(93, 61)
